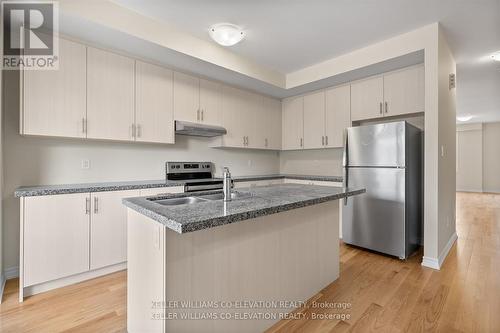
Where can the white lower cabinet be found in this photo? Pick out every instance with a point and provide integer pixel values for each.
(68, 238)
(108, 228)
(55, 237)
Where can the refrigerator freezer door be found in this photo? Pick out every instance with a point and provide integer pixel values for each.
(376, 145)
(376, 219)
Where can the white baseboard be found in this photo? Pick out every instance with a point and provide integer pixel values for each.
(46, 286)
(436, 263)
(2, 286)
(11, 272)
(472, 190)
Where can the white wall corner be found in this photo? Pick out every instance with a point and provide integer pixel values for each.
(2, 286)
(436, 263)
(11, 272)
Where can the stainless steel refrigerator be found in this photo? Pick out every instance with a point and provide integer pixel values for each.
(386, 159)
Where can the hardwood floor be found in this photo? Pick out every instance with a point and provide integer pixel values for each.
(386, 295)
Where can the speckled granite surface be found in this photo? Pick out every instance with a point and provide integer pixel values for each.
(29, 191)
(264, 200)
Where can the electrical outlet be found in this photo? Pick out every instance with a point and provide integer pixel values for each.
(442, 151)
(85, 164)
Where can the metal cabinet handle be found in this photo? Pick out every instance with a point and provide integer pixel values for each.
(386, 108)
(301, 142)
(96, 205)
(247, 140)
(133, 130)
(380, 107)
(202, 111)
(139, 131)
(198, 114)
(322, 140)
(326, 140)
(87, 206)
(244, 141)
(265, 142)
(83, 125)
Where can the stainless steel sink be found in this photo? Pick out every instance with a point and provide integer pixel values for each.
(180, 201)
(220, 196)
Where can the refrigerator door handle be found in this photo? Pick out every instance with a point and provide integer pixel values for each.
(345, 162)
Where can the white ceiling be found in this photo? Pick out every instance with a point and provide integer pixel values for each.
(288, 35)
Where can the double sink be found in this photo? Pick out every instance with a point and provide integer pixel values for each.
(199, 198)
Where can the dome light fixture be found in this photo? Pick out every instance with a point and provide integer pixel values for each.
(464, 118)
(226, 34)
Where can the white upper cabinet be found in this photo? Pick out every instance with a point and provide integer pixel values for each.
(392, 94)
(210, 102)
(54, 100)
(186, 97)
(293, 123)
(404, 91)
(154, 104)
(338, 115)
(236, 117)
(314, 120)
(110, 96)
(270, 121)
(367, 99)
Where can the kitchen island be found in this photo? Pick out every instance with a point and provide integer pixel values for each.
(198, 264)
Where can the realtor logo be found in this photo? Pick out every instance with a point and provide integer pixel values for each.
(29, 35)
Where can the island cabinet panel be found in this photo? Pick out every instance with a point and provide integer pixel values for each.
(110, 96)
(154, 120)
(146, 272)
(55, 237)
(337, 115)
(54, 100)
(293, 123)
(108, 228)
(289, 256)
(314, 120)
(367, 98)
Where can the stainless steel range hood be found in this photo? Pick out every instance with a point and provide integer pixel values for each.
(196, 129)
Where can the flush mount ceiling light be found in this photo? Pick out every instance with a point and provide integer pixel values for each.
(464, 118)
(496, 56)
(226, 34)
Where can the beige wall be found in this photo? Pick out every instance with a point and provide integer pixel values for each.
(491, 157)
(478, 157)
(326, 162)
(38, 160)
(447, 147)
(470, 158)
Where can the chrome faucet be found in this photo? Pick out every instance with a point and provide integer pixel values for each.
(226, 184)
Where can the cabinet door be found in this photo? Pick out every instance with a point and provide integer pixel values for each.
(110, 95)
(314, 120)
(154, 104)
(186, 97)
(108, 231)
(235, 117)
(404, 91)
(254, 129)
(293, 123)
(55, 237)
(54, 101)
(210, 102)
(367, 98)
(338, 115)
(270, 120)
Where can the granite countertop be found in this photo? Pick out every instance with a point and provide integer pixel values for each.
(30, 191)
(264, 200)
